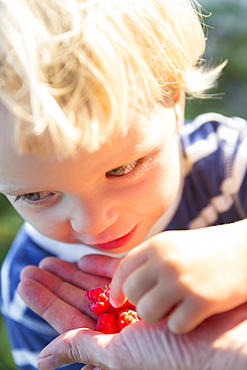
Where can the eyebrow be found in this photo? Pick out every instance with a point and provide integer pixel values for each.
(14, 190)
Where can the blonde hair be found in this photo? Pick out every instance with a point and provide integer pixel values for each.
(70, 70)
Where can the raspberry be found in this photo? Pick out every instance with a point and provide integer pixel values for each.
(125, 318)
(110, 319)
(107, 323)
(99, 300)
(93, 294)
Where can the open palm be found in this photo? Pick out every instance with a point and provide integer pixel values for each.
(58, 295)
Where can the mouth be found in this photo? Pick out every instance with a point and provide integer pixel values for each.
(116, 243)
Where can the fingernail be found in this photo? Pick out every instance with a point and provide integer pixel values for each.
(49, 362)
(118, 303)
(113, 303)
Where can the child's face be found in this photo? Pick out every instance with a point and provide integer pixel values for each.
(108, 199)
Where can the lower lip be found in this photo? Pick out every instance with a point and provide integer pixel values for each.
(117, 243)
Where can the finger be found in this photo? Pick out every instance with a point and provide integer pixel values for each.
(80, 346)
(125, 268)
(157, 303)
(69, 293)
(138, 283)
(187, 316)
(59, 314)
(44, 277)
(70, 272)
(104, 265)
(49, 263)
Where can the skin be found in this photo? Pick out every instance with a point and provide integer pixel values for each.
(84, 200)
(218, 343)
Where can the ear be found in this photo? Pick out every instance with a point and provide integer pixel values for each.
(179, 106)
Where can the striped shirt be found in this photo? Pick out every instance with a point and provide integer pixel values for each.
(212, 192)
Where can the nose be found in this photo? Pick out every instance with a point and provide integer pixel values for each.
(92, 217)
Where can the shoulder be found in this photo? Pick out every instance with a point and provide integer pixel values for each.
(24, 251)
(22, 323)
(211, 125)
(212, 134)
(214, 163)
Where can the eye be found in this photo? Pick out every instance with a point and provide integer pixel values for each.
(122, 170)
(33, 197)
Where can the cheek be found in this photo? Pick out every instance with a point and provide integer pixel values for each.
(157, 191)
(165, 179)
(51, 228)
(46, 221)
(171, 176)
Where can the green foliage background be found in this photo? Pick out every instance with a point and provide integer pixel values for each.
(227, 34)
(10, 222)
(227, 40)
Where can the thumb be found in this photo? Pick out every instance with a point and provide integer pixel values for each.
(76, 346)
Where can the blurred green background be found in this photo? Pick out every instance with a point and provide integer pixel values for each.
(10, 222)
(227, 39)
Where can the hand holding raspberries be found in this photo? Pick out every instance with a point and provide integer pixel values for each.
(110, 319)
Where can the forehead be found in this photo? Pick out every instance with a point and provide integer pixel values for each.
(142, 120)
(144, 135)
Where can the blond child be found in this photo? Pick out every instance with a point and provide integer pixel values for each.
(93, 157)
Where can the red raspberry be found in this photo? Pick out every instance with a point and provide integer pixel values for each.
(93, 294)
(126, 317)
(107, 323)
(111, 320)
(99, 300)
